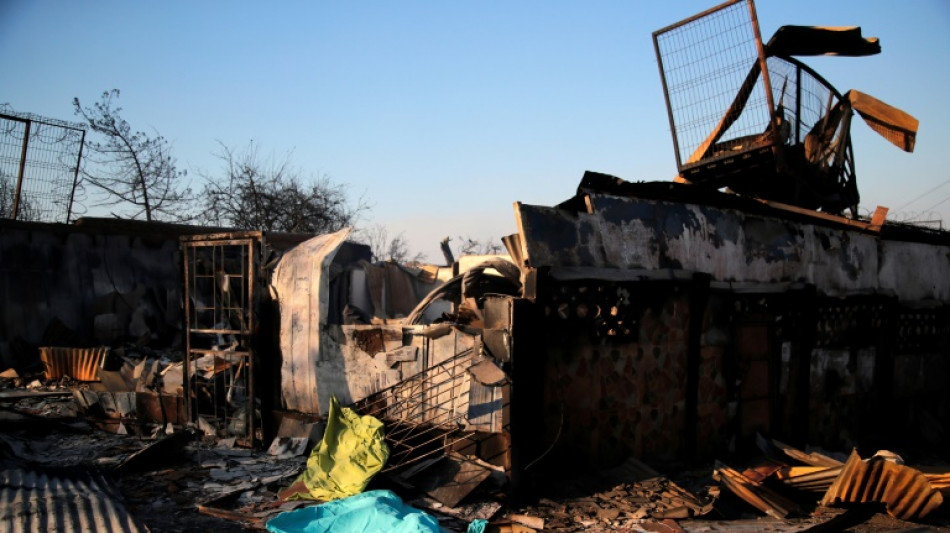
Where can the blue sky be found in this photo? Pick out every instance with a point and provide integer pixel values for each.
(445, 113)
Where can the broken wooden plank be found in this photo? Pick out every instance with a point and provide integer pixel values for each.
(487, 372)
(771, 446)
(15, 396)
(874, 225)
(811, 478)
(534, 522)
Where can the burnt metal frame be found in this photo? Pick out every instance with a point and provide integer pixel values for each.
(417, 428)
(763, 66)
(824, 180)
(846, 156)
(251, 244)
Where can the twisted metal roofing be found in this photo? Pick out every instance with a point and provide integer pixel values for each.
(63, 500)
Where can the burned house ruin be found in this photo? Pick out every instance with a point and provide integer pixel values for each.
(670, 322)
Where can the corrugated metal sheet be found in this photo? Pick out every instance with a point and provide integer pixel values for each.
(61, 501)
(81, 364)
(904, 490)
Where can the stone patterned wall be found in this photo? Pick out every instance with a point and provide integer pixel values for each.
(713, 429)
(618, 397)
(827, 372)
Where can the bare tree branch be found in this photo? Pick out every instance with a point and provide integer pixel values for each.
(131, 167)
(470, 246)
(385, 248)
(254, 193)
(7, 198)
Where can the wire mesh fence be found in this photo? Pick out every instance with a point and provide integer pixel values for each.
(704, 62)
(39, 165)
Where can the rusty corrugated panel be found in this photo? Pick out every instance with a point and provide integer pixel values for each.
(905, 491)
(32, 500)
(81, 364)
(754, 493)
(376, 286)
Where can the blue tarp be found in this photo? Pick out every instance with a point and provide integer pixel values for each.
(374, 511)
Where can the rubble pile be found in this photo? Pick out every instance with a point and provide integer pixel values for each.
(178, 477)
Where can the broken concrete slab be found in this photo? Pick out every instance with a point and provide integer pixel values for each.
(163, 450)
(487, 372)
(403, 354)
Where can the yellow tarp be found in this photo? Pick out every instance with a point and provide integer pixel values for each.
(351, 452)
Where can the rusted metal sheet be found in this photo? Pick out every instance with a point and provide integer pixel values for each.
(773, 448)
(81, 364)
(400, 291)
(755, 494)
(810, 478)
(301, 285)
(819, 40)
(161, 408)
(905, 491)
(374, 339)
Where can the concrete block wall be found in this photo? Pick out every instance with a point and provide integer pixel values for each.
(56, 278)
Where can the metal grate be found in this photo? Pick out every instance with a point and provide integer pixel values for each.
(609, 311)
(923, 330)
(220, 279)
(39, 165)
(426, 413)
(850, 324)
(704, 62)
